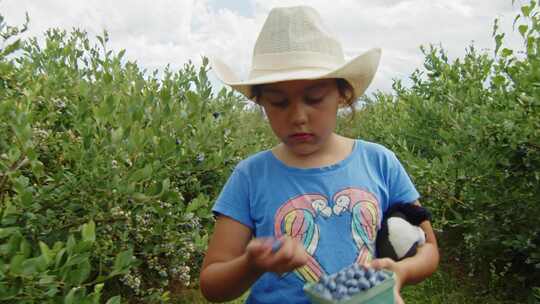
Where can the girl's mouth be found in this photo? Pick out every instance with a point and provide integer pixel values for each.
(301, 136)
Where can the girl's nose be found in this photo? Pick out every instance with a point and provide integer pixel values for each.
(298, 113)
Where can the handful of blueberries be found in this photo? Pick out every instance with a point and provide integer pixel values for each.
(348, 282)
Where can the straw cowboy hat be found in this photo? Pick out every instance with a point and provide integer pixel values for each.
(294, 44)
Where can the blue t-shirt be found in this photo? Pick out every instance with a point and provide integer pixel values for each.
(334, 211)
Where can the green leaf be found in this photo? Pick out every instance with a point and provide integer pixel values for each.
(197, 203)
(96, 295)
(7, 231)
(192, 97)
(12, 246)
(507, 52)
(70, 245)
(53, 290)
(116, 135)
(495, 27)
(123, 261)
(32, 266)
(107, 77)
(121, 54)
(70, 297)
(83, 246)
(498, 42)
(26, 198)
(114, 300)
(46, 279)
(45, 252)
(526, 10)
(522, 29)
(15, 265)
(89, 231)
(140, 197)
(142, 174)
(79, 274)
(26, 248)
(59, 257)
(77, 259)
(11, 48)
(515, 20)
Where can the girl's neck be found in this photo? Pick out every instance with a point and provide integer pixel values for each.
(338, 148)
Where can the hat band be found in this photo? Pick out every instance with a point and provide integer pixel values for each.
(293, 60)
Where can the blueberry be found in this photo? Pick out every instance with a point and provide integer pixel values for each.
(351, 283)
(360, 274)
(340, 292)
(341, 278)
(363, 284)
(369, 273)
(276, 245)
(373, 281)
(324, 280)
(350, 273)
(356, 267)
(332, 285)
(353, 290)
(381, 276)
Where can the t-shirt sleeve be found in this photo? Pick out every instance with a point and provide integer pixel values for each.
(401, 189)
(233, 201)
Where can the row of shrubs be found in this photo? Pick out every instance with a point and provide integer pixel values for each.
(468, 132)
(108, 172)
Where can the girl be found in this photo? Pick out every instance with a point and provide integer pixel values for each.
(320, 194)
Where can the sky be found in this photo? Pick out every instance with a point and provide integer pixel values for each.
(165, 32)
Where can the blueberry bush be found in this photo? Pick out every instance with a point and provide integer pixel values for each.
(107, 172)
(468, 132)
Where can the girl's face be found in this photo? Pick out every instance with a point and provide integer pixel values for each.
(302, 113)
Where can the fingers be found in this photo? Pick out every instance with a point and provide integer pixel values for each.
(391, 265)
(258, 247)
(381, 263)
(291, 255)
(267, 255)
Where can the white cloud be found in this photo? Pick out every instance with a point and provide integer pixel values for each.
(160, 32)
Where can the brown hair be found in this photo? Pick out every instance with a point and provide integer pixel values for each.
(344, 87)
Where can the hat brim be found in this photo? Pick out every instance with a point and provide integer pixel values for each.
(359, 72)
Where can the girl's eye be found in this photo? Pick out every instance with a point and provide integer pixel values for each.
(314, 100)
(279, 104)
(315, 95)
(274, 99)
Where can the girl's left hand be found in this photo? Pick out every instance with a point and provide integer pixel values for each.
(393, 266)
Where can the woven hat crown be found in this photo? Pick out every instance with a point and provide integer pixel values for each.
(296, 29)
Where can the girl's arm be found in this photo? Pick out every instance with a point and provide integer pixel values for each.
(425, 262)
(234, 261)
(416, 268)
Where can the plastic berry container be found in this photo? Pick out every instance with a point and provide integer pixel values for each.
(382, 293)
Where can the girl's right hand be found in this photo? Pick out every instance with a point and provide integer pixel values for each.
(288, 257)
